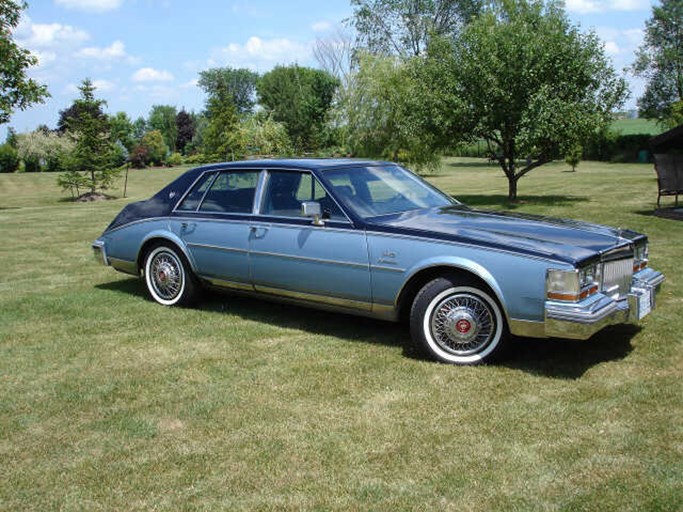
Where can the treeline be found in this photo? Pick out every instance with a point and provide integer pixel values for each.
(417, 79)
(293, 101)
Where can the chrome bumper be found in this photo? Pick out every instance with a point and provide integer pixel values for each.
(100, 252)
(583, 319)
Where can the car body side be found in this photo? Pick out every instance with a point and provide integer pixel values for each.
(364, 267)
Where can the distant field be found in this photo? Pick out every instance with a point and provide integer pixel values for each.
(636, 126)
(109, 401)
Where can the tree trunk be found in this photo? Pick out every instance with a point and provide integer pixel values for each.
(512, 188)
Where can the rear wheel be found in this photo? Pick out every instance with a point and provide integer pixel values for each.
(457, 321)
(169, 279)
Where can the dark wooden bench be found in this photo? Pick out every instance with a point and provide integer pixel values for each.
(669, 168)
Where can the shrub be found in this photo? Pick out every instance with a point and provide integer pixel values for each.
(9, 158)
(174, 159)
(198, 158)
(138, 157)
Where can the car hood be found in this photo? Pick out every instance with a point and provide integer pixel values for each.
(569, 241)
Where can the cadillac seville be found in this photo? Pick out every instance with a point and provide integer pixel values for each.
(372, 238)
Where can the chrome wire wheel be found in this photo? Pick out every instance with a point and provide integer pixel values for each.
(165, 275)
(456, 321)
(462, 324)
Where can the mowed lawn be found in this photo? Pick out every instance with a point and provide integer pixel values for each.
(109, 401)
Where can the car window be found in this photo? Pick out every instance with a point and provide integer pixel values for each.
(286, 191)
(192, 199)
(381, 190)
(231, 192)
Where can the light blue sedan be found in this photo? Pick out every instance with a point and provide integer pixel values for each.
(373, 239)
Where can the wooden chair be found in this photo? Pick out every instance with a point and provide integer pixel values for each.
(669, 168)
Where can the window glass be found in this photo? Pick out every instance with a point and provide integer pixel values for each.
(231, 192)
(192, 199)
(375, 191)
(286, 191)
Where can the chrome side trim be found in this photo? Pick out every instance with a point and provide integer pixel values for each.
(527, 328)
(218, 248)
(317, 298)
(232, 285)
(314, 260)
(382, 268)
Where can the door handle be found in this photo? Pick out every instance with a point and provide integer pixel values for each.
(258, 231)
(187, 227)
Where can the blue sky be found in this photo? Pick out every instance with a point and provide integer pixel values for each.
(145, 52)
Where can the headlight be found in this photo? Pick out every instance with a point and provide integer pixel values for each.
(572, 285)
(640, 255)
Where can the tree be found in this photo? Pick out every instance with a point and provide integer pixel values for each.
(404, 27)
(300, 98)
(155, 147)
(660, 61)
(526, 81)
(44, 151)
(139, 128)
(261, 135)
(75, 112)
(378, 114)
(334, 54)
(185, 125)
(238, 84)
(163, 119)
(122, 130)
(91, 160)
(220, 135)
(16, 89)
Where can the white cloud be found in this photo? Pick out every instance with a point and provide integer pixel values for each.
(593, 6)
(48, 35)
(261, 54)
(321, 26)
(152, 75)
(103, 85)
(114, 52)
(90, 5)
(612, 48)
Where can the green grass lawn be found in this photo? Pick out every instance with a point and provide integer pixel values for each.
(636, 126)
(111, 402)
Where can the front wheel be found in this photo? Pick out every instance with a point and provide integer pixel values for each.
(458, 322)
(169, 279)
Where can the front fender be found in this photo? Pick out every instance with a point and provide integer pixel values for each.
(456, 263)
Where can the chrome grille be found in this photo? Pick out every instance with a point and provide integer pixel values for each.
(616, 277)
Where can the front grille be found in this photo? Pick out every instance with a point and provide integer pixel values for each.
(616, 277)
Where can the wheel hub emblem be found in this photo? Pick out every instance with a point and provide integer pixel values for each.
(463, 326)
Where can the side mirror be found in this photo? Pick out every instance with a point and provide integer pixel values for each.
(312, 209)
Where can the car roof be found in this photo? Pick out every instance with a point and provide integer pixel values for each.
(297, 163)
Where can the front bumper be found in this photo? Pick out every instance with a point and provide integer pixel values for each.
(583, 319)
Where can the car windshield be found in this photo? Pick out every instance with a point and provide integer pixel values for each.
(375, 191)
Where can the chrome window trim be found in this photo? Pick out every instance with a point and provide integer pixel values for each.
(189, 189)
(286, 169)
(208, 189)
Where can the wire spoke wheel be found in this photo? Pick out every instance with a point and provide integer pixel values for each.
(462, 324)
(170, 280)
(457, 321)
(166, 275)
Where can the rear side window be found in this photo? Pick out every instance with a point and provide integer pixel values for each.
(231, 192)
(191, 201)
